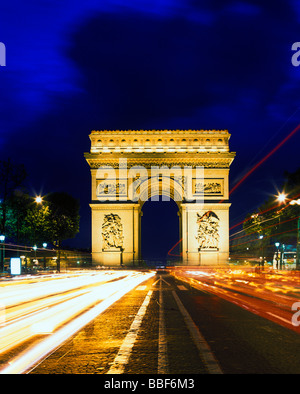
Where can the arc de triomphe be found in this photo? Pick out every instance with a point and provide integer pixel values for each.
(129, 167)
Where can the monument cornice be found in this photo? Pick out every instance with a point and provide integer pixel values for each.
(152, 142)
(205, 160)
(160, 132)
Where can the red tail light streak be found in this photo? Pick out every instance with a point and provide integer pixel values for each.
(264, 159)
(267, 294)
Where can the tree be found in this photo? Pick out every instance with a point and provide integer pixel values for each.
(12, 176)
(292, 182)
(63, 219)
(258, 224)
(19, 204)
(36, 227)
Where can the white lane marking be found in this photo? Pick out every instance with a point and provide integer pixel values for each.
(202, 346)
(165, 282)
(181, 287)
(160, 280)
(141, 288)
(162, 365)
(154, 284)
(124, 353)
(279, 317)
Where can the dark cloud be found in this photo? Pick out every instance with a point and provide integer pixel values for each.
(140, 69)
(208, 64)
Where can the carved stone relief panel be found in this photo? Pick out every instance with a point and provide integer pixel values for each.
(112, 232)
(208, 187)
(111, 188)
(208, 231)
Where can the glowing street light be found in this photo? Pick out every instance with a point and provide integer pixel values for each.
(281, 197)
(38, 199)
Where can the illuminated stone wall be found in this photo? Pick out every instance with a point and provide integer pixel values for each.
(189, 166)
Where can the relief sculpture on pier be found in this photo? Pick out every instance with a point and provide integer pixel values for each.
(112, 232)
(208, 231)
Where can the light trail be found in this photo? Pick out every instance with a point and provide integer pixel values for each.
(244, 178)
(268, 294)
(56, 312)
(264, 228)
(173, 247)
(20, 292)
(266, 210)
(264, 159)
(266, 237)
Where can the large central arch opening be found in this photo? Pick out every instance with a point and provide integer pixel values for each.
(159, 231)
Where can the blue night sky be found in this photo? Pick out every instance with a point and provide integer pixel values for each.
(72, 67)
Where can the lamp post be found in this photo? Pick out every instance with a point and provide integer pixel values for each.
(281, 255)
(277, 244)
(281, 198)
(39, 201)
(2, 239)
(45, 246)
(34, 248)
(297, 202)
(262, 260)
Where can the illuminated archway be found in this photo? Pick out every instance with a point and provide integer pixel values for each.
(190, 167)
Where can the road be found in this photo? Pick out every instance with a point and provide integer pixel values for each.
(131, 322)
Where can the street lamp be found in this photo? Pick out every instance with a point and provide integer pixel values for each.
(281, 197)
(277, 244)
(38, 199)
(281, 255)
(2, 239)
(44, 258)
(34, 248)
(297, 202)
(262, 259)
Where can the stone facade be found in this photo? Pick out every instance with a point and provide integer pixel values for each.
(189, 166)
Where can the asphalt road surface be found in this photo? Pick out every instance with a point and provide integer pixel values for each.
(166, 325)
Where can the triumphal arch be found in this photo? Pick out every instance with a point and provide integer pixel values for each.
(189, 166)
